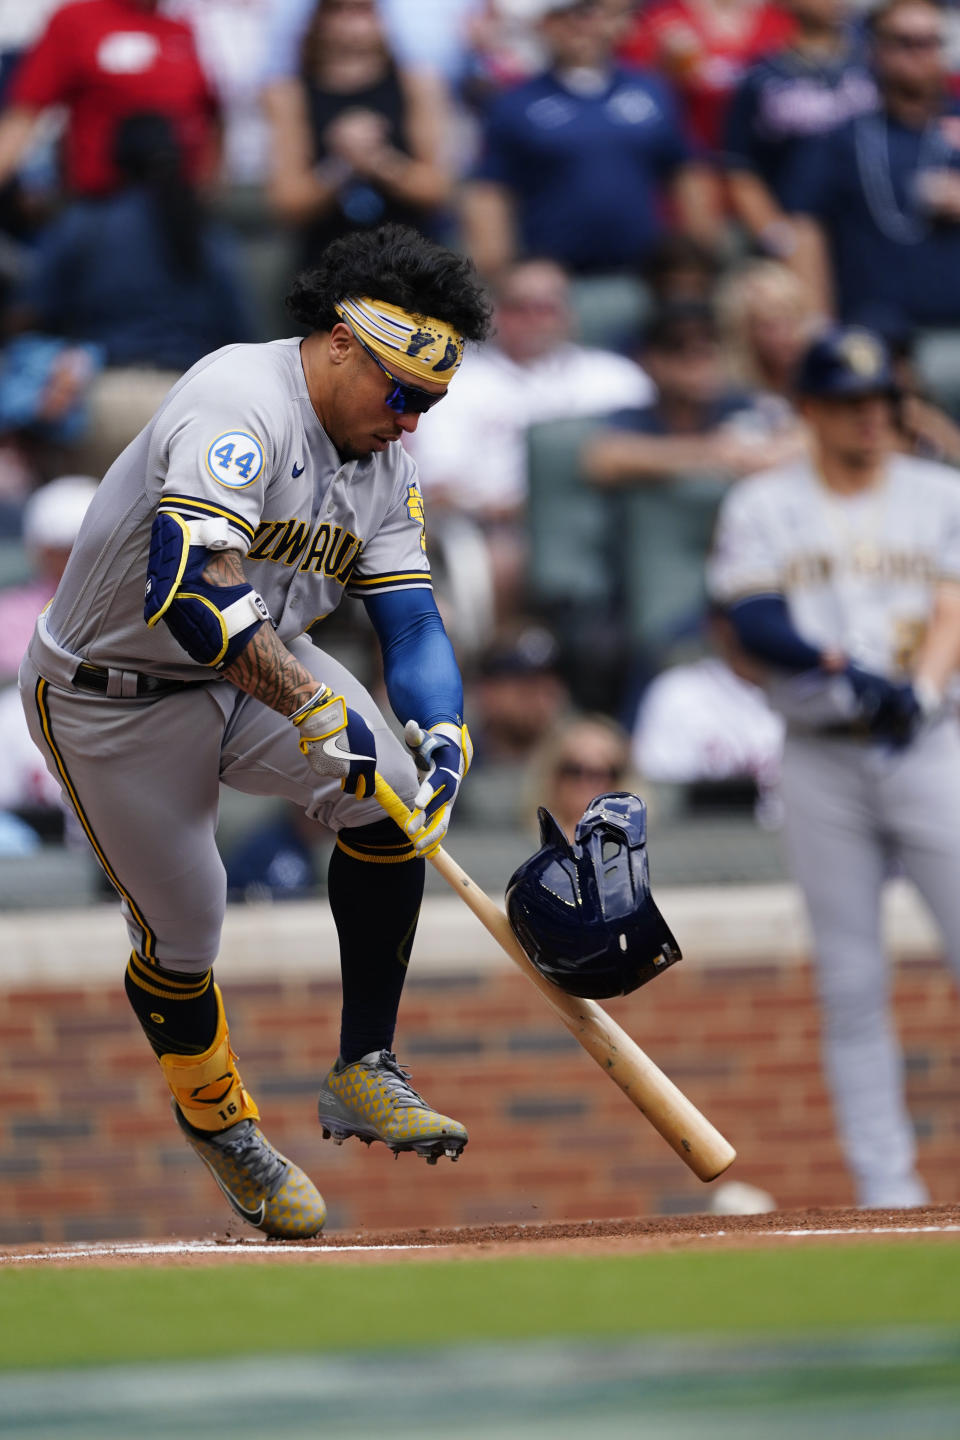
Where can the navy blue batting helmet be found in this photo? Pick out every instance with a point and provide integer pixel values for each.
(583, 912)
(846, 361)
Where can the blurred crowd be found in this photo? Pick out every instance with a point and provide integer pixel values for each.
(667, 198)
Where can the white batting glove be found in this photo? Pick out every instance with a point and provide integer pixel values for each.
(338, 741)
(442, 755)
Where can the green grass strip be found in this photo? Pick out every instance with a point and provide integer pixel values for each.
(86, 1316)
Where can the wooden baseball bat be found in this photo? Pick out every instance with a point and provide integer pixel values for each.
(668, 1110)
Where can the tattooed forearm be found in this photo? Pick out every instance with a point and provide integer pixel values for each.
(264, 668)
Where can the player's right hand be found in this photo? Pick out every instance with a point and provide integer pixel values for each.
(338, 741)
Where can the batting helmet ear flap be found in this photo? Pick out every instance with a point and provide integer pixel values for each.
(550, 832)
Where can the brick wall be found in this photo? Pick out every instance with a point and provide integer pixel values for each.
(88, 1149)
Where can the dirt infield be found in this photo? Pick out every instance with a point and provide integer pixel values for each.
(570, 1238)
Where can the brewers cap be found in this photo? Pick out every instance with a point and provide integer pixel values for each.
(846, 360)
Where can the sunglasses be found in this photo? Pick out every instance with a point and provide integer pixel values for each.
(903, 41)
(600, 774)
(522, 305)
(403, 399)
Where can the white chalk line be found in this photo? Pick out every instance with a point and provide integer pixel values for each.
(203, 1247)
(838, 1230)
(253, 1247)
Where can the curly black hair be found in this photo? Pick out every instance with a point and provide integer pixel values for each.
(396, 264)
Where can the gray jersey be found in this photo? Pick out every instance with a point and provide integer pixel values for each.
(859, 571)
(237, 440)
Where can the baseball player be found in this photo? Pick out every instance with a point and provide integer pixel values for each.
(174, 656)
(841, 573)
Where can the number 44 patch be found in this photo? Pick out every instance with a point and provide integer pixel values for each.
(235, 459)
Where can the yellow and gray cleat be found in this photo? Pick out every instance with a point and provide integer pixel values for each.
(263, 1186)
(374, 1100)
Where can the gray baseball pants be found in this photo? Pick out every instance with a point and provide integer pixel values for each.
(854, 814)
(144, 777)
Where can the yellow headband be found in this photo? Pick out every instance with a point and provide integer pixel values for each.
(421, 344)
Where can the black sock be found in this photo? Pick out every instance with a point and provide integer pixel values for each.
(375, 885)
(178, 1011)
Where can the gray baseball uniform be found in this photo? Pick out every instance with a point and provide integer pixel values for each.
(859, 575)
(236, 450)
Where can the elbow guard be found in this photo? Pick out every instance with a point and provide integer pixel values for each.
(213, 623)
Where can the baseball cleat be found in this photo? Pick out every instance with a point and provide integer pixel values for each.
(263, 1186)
(374, 1100)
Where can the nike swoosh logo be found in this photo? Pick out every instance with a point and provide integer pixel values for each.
(254, 1216)
(298, 471)
(331, 748)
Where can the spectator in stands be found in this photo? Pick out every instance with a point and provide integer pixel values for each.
(582, 757)
(30, 802)
(698, 424)
(786, 100)
(709, 719)
(230, 36)
(51, 522)
(30, 805)
(104, 60)
(145, 276)
(704, 47)
(924, 428)
(517, 695)
(356, 141)
(766, 318)
(473, 458)
(679, 268)
(277, 859)
(579, 161)
(20, 25)
(19, 475)
(678, 455)
(430, 35)
(507, 45)
(885, 186)
(44, 392)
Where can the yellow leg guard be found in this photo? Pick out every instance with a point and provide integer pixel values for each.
(207, 1088)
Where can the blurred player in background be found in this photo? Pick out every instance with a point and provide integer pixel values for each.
(841, 574)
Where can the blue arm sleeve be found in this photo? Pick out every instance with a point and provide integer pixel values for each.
(764, 629)
(419, 666)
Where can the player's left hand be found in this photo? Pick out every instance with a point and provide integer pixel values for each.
(904, 718)
(892, 711)
(917, 703)
(442, 755)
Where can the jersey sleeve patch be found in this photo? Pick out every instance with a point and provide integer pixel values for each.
(235, 459)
